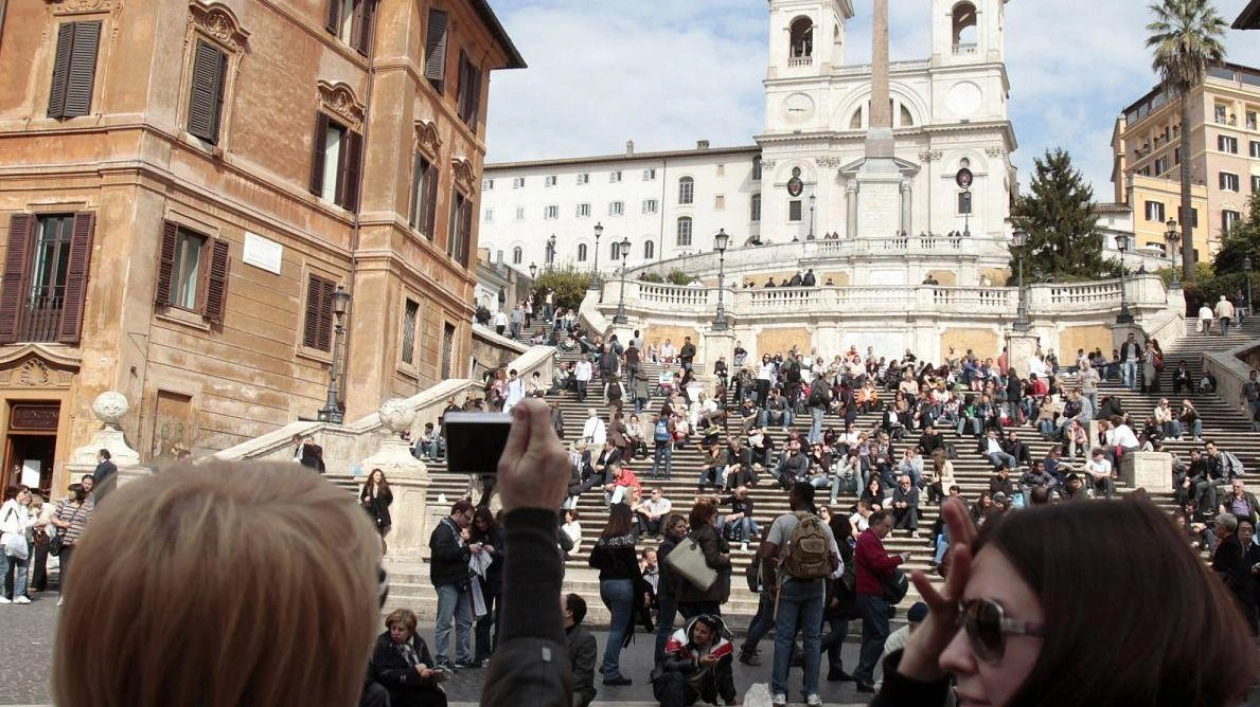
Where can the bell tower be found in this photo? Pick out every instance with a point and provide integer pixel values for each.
(807, 37)
(968, 32)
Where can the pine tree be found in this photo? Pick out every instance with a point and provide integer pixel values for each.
(1058, 214)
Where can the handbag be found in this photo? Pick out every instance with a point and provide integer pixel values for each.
(58, 542)
(687, 559)
(895, 586)
(15, 546)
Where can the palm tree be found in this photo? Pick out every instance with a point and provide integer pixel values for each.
(1186, 37)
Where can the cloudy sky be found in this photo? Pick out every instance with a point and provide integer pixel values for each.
(666, 73)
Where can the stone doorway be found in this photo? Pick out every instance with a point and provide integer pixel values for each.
(28, 459)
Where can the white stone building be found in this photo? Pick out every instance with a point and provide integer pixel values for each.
(949, 111)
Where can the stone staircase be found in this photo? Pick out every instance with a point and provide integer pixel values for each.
(1222, 422)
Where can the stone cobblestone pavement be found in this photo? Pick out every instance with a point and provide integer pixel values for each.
(26, 643)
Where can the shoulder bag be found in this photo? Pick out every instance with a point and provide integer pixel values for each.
(687, 559)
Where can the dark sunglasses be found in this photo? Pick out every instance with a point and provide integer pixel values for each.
(987, 628)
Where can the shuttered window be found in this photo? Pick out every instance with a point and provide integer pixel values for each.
(44, 290)
(318, 325)
(74, 69)
(351, 22)
(424, 185)
(335, 163)
(193, 272)
(459, 236)
(205, 100)
(469, 91)
(435, 50)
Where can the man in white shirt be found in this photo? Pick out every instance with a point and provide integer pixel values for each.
(1205, 319)
(594, 430)
(1130, 356)
(515, 391)
(652, 512)
(582, 373)
(500, 322)
(1099, 470)
(998, 457)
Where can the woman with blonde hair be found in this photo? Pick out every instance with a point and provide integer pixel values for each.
(227, 585)
(402, 664)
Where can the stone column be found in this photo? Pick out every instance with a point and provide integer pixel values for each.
(109, 407)
(851, 204)
(1020, 348)
(879, 142)
(408, 478)
(907, 203)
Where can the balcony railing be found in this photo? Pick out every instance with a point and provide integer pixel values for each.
(800, 61)
(969, 48)
(41, 319)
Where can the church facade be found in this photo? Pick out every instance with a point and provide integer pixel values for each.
(948, 113)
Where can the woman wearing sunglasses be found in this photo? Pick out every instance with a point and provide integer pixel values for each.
(1073, 604)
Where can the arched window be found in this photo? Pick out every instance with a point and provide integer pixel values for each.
(907, 120)
(614, 250)
(684, 232)
(855, 123)
(649, 250)
(581, 252)
(965, 32)
(686, 190)
(754, 211)
(802, 38)
(517, 255)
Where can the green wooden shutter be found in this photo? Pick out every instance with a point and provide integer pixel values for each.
(16, 270)
(205, 102)
(80, 260)
(317, 159)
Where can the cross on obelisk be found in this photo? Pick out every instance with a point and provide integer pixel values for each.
(879, 138)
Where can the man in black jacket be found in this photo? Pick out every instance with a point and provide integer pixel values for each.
(582, 650)
(930, 441)
(1230, 563)
(687, 353)
(448, 570)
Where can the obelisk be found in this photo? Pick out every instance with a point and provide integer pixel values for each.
(879, 213)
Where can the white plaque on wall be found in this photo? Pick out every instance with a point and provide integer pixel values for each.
(263, 253)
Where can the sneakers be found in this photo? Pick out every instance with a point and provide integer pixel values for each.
(5, 600)
(914, 534)
(865, 687)
(780, 700)
(813, 701)
(59, 600)
(743, 547)
(22, 599)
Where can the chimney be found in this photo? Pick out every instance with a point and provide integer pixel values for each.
(629, 147)
(702, 144)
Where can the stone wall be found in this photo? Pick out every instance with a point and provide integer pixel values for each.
(984, 342)
(781, 340)
(1083, 337)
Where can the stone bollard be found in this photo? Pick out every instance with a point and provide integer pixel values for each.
(109, 407)
(408, 479)
(1148, 470)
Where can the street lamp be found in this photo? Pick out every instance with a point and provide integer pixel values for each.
(533, 271)
(623, 248)
(1022, 324)
(720, 241)
(1247, 267)
(812, 199)
(551, 252)
(599, 231)
(332, 410)
(1174, 237)
(1125, 317)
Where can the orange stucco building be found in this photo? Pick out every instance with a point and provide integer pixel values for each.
(184, 185)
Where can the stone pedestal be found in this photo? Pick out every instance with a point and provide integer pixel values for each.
(1148, 470)
(717, 343)
(408, 479)
(1021, 347)
(1120, 334)
(109, 407)
(879, 199)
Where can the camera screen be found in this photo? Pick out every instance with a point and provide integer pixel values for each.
(475, 441)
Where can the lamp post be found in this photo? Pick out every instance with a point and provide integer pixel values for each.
(551, 252)
(1247, 267)
(1174, 237)
(533, 271)
(812, 199)
(1125, 317)
(720, 241)
(1022, 324)
(599, 231)
(332, 412)
(623, 248)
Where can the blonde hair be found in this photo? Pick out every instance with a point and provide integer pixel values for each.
(223, 585)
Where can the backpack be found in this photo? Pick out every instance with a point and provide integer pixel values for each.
(807, 554)
(818, 396)
(661, 434)
(614, 391)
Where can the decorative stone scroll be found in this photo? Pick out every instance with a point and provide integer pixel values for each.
(75, 7)
(465, 175)
(339, 99)
(427, 138)
(218, 22)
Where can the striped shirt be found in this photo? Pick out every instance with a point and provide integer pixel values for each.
(77, 517)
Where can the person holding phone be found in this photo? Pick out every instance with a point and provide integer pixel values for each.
(1010, 628)
(402, 664)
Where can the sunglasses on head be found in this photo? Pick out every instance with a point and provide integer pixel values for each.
(987, 627)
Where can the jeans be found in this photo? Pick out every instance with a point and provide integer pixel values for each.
(1128, 373)
(816, 424)
(1197, 427)
(18, 568)
(800, 609)
(964, 421)
(667, 611)
(453, 605)
(761, 623)
(874, 613)
(745, 528)
(618, 596)
(998, 458)
(581, 389)
(1224, 326)
(764, 420)
(488, 623)
(666, 450)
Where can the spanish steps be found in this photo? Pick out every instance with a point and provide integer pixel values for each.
(1222, 422)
